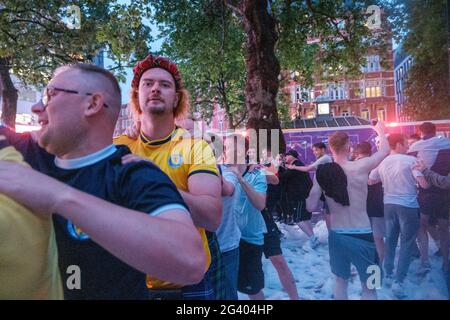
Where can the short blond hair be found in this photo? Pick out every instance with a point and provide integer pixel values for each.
(338, 141)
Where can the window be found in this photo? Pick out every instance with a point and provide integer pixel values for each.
(298, 93)
(381, 114)
(310, 115)
(374, 88)
(365, 114)
(124, 112)
(302, 95)
(337, 91)
(372, 64)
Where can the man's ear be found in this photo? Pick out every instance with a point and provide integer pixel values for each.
(96, 104)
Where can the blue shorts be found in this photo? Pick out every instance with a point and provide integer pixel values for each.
(357, 249)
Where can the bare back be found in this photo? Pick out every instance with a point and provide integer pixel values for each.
(355, 215)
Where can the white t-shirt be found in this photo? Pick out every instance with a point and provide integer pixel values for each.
(322, 160)
(399, 180)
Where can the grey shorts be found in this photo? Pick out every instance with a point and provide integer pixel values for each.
(346, 250)
(378, 226)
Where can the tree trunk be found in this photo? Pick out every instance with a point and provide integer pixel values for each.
(9, 95)
(447, 20)
(262, 66)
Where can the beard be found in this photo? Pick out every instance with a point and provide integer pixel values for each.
(157, 110)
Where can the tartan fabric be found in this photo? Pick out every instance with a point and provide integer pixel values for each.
(201, 291)
(217, 268)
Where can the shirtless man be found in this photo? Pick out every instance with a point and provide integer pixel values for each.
(344, 184)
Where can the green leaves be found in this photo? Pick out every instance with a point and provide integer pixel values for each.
(207, 38)
(35, 34)
(423, 32)
(206, 41)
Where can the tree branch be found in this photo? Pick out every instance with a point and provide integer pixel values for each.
(9, 35)
(242, 118)
(330, 18)
(38, 23)
(233, 7)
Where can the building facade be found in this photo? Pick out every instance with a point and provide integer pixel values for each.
(124, 121)
(370, 96)
(402, 64)
(27, 96)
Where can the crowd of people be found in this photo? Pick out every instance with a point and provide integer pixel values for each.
(153, 215)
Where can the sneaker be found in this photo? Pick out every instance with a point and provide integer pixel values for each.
(398, 290)
(424, 268)
(314, 242)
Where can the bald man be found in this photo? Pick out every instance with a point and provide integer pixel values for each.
(114, 223)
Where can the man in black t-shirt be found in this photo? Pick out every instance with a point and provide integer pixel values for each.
(107, 247)
(295, 189)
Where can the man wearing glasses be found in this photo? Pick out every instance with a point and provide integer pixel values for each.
(114, 223)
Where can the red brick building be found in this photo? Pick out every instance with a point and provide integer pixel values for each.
(370, 96)
(125, 120)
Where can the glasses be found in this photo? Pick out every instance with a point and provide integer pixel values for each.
(49, 92)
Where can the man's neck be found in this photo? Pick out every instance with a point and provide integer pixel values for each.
(340, 158)
(86, 149)
(157, 127)
(428, 136)
(393, 152)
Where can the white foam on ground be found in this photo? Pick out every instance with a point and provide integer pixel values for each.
(311, 270)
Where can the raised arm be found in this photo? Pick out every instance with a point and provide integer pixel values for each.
(370, 163)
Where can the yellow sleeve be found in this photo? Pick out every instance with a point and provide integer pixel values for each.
(123, 139)
(11, 154)
(202, 159)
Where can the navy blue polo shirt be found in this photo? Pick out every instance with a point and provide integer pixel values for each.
(138, 186)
